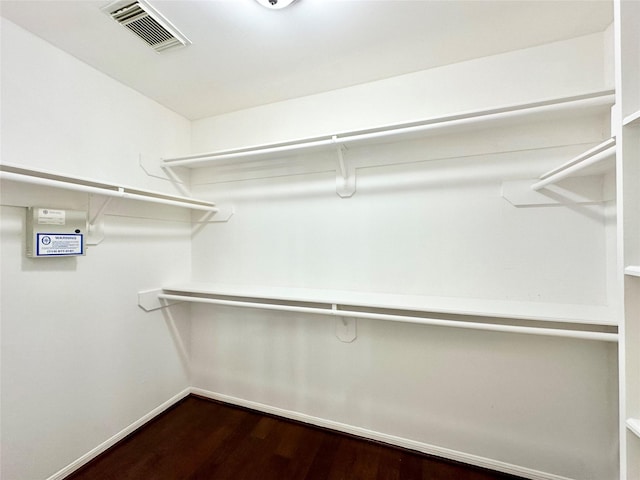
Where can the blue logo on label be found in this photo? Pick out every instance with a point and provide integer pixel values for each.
(46, 240)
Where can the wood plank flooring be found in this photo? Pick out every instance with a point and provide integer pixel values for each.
(200, 439)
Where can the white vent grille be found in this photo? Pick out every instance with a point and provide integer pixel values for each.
(148, 24)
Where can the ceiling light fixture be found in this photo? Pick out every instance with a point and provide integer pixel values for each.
(275, 4)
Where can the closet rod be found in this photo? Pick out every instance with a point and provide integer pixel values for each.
(570, 168)
(632, 120)
(476, 118)
(347, 138)
(111, 191)
(192, 160)
(602, 336)
(633, 424)
(633, 270)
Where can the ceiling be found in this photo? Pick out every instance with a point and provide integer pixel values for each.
(244, 55)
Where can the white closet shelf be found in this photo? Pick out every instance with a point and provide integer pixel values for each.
(589, 322)
(475, 119)
(633, 270)
(632, 120)
(602, 154)
(55, 180)
(633, 424)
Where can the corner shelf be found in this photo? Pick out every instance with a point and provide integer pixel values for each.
(589, 322)
(50, 179)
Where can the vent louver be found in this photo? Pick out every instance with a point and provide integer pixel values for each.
(148, 24)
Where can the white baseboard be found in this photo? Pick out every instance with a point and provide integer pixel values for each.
(87, 457)
(320, 422)
(383, 437)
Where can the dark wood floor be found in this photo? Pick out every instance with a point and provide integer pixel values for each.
(201, 439)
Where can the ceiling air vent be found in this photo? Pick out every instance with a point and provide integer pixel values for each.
(148, 24)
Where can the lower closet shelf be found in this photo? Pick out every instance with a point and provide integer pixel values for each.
(572, 321)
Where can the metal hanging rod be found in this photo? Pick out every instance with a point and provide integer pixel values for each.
(633, 424)
(46, 179)
(370, 136)
(583, 335)
(632, 120)
(597, 154)
(633, 270)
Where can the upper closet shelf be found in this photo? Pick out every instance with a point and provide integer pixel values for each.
(50, 179)
(632, 120)
(589, 322)
(440, 125)
(601, 155)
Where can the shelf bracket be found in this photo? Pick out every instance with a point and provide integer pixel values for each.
(345, 176)
(156, 169)
(224, 214)
(96, 222)
(577, 190)
(98, 215)
(149, 301)
(346, 327)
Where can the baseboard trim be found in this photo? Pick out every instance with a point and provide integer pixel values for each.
(317, 421)
(103, 447)
(383, 437)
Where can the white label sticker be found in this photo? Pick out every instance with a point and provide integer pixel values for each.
(50, 244)
(47, 216)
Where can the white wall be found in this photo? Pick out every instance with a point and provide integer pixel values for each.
(60, 114)
(80, 360)
(527, 75)
(431, 222)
